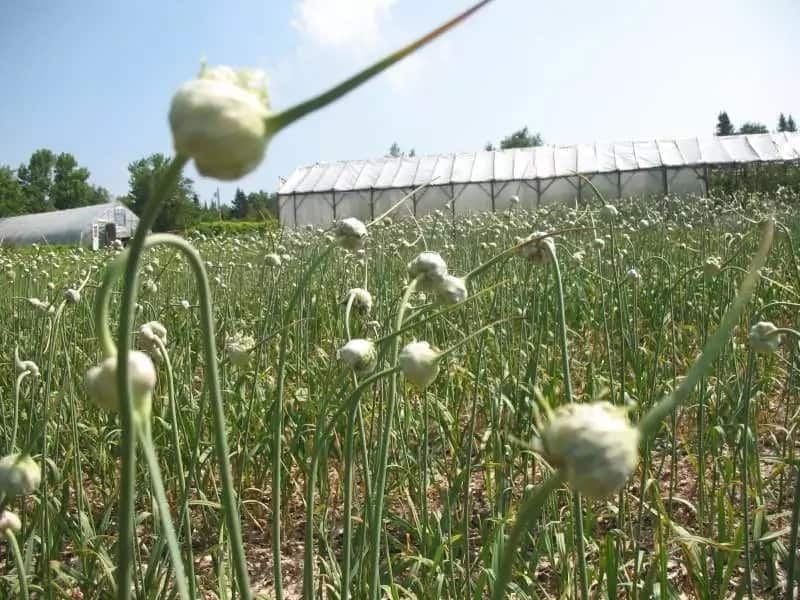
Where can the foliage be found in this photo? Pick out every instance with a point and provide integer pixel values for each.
(47, 182)
(12, 201)
(786, 123)
(396, 152)
(229, 228)
(753, 127)
(254, 205)
(724, 124)
(179, 209)
(521, 139)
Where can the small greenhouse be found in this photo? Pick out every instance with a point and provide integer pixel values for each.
(483, 181)
(92, 226)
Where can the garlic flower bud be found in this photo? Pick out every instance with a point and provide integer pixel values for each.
(429, 265)
(419, 362)
(514, 200)
(609, 212)
(20, 475)
(360, 355)
(220, 120)
(25, 365)
(9, 521)
(599, 243)
(238, 348)
(149, 333)
(594, 444)
(272, 260)
(764, 337)
(72, 296)
(350, 233)
(712, 266)
(362, 299)
(538, 249)
(101, 383)
(451, 289)
(633, 275)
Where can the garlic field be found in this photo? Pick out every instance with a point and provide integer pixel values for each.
(509, 404)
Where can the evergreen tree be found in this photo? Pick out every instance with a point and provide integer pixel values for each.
(724, 125)
(240, 203)
(790, 126)
(781, 122)
(753, 127)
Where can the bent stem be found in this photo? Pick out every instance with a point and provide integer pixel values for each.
(125, 557)
(23, 578)
(651, 421)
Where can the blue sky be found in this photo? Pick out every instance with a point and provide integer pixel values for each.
(95, 78)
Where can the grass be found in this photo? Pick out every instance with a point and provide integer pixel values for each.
(707, 514)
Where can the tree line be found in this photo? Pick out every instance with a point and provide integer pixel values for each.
(50, 181)
(726, 127)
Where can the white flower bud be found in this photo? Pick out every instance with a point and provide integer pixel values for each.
(633, 275)
(362, 299)
(220, 120)
(429, 265)
(25, 365)
(360, 355)
(185, 304)
(238, 348)
(609, 212)
(419, 362)
(20, 475)
(514, 200)
(599, 243)
(101, 382)
(9, 521)
(73, 296)
(451, 289)
(538, 249)
(149, 333)
(764, 337)
(350, 233)
(594, 444)
(149, 286)
(712, 266)
(11, 274)
(272, 260)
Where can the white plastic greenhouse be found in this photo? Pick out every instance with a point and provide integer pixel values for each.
(482, 181)
(92, 226)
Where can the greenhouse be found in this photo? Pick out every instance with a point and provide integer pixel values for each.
(483, 181)
(92, 226)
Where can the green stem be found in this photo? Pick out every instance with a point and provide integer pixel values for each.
(229, 499)
(577, 503)
(23, 578)
(652, 420)
(146, 439)
(526, 518)
(376, 514)
(125, 558)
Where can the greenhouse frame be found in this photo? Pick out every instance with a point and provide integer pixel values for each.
(482, 181)
(93, 226)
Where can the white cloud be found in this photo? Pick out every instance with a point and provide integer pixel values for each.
(341, 23)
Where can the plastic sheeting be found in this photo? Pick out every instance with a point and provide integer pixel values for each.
(542, 162)
(72, 226)
(477, 181)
